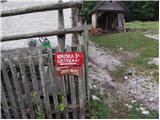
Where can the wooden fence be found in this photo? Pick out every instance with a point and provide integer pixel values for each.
(30, 88)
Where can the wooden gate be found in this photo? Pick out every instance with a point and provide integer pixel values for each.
(30, 88)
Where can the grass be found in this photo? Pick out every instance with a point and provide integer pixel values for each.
(136, 113)
(130, 41)
(99, 110)
(118, 74)
(143, 25)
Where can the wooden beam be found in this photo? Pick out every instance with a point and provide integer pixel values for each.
(75, 12)
(41, 34)
(40, 8)
(61, 38)
(94, 20)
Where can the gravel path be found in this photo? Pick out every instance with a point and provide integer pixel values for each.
(136, 86)
(152, 34)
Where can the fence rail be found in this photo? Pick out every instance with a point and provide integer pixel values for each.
(41, 8)
(41, 34)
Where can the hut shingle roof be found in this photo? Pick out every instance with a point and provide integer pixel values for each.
(110, 6)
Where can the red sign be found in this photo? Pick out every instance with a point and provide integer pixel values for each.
(75, 70)
(68, 58)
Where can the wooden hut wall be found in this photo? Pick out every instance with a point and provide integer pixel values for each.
(120, 22)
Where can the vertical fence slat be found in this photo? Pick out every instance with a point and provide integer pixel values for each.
(45, 92)
(33, 77)
(53, 81)
(17, 86)
(81, 98)
(9, 88)
(5, 104)
(64, 100)
(73, 95)
(85, 34)
(26, 86)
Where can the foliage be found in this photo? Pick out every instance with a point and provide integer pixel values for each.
(87, 7)
(136, 113)
(142, 10)
(60, 95)
(143, 25)
(37, 108)
(138, 10)
(40, 113)
(61, 107)
(99, 109)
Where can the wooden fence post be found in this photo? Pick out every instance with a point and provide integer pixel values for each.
(61, 38)
(75, 40)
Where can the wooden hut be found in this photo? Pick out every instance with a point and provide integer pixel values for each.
(108, 16)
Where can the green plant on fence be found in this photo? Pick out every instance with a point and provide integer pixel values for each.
(37, 107)
(61, 107)
(60, 95)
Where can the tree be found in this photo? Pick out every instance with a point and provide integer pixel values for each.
(86, 8)
(139, 10)
(142, 10)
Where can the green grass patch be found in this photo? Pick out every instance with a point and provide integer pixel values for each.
(154, 25)
(99, 110)
(136, 113)
(118, 74)
(130, 41)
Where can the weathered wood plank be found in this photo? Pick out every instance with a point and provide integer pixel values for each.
(73, 94)
(75, 13)
(86, 38)
(81, 97)
(9, 88)
(53, 82)
(64, 99)
(61, 38)
(26, 86)
(40, 8)
(5, 104)
(59, 32)
(17, 86)
(34, 77)
(45, 92)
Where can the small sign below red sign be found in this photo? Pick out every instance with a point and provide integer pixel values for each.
(68, 58)
(75, 70)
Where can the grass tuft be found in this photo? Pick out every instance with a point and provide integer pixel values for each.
(143, 25)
